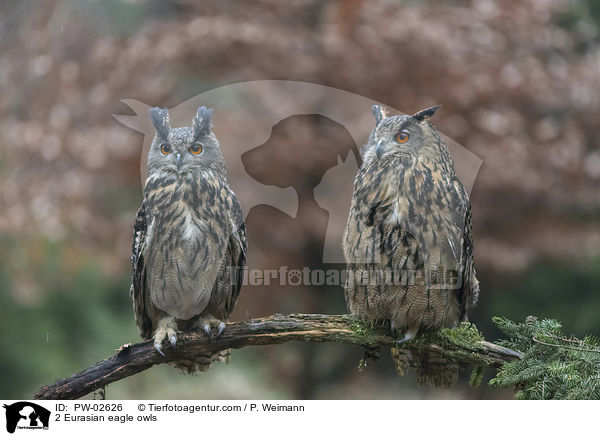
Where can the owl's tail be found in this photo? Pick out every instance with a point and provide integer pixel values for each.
(201, 363)
(437, 370)
(403, 359)
(432, 367)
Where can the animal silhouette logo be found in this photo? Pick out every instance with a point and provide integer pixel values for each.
(334, 194)
(244, 116)
(26, 415)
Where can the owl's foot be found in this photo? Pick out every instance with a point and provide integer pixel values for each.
(166, 329)
(207, 323)
(410, 334)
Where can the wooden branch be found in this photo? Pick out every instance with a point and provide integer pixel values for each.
(131, 359)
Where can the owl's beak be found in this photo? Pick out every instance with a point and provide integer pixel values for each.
(379, 149)
(178, 160)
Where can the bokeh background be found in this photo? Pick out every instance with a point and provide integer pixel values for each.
(520, 86)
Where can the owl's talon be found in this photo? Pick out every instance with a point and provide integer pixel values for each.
(158, 349)
(221, 328)
(407, 337)
(166, 329)
(207, 323)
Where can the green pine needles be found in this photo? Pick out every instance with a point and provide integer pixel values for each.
(553, 366)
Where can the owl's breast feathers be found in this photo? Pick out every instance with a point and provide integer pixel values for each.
(188, 225)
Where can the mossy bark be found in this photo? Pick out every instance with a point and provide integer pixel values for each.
(465, 344)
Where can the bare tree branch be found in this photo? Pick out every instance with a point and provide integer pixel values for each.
(131, 359)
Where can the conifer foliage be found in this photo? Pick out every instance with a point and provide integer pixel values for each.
(553, 366)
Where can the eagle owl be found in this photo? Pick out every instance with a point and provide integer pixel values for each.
(408, 242)
(189, 238)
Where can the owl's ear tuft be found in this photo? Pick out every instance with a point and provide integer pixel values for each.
(160, 119)
(426, 113)
(378, 112)
(202, 122)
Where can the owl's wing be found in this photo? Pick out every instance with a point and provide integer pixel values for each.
(236, 257)
(236, 253)
(231, 272)
(139, 291)
(469, 292)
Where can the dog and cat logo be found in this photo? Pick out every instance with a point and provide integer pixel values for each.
(26, 415)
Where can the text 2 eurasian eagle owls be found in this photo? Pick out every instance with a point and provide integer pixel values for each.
(189, 237)
(408, 240)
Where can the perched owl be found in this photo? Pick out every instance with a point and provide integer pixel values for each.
(189, 238)
(408, 242)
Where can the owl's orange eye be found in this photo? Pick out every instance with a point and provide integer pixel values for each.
(165, 148)
(402, 137)
(195, 149)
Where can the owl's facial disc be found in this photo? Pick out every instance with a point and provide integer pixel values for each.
(184, 153)
(186, 157)
(395, 135)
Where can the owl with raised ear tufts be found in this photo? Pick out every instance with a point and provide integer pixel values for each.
(189, 245)
(408, 242)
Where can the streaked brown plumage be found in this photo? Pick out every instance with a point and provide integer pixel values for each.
(410, 219)
(189, 238)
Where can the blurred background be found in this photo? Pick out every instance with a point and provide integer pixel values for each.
(519, 82)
